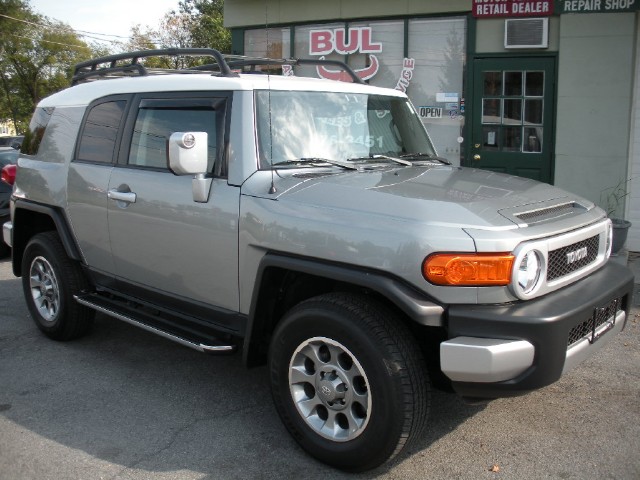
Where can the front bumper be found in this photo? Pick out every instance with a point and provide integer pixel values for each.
(7, 229)
(507, 350)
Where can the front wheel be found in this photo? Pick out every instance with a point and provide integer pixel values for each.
(348, 380)
(50, 279)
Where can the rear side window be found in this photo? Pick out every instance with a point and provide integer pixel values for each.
(37, 127)
(100, 132)
(157, 119)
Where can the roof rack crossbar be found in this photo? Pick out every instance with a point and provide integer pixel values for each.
(223, 64)
(81, 69)
(139, 69)
(336, 63)
(253, 62)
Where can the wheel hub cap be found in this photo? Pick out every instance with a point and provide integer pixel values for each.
(44, 289)
(330, 389)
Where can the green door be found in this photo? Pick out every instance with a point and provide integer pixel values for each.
(513, 103)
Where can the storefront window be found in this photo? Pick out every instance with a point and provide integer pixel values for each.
(319, 39)
(438, 48)
(388, 62)
(270, 43)
(431, 75)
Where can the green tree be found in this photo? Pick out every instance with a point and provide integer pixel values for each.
(207, 25)
(197, 23)
(36, 59)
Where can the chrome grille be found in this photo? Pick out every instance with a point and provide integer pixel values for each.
(589, 326)
(559, 266)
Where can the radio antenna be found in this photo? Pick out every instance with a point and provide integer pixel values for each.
(272, 190)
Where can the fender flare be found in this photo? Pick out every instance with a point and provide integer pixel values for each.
(60, 222)
(415, 304)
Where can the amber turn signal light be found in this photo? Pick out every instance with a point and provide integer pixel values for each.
(468, 269)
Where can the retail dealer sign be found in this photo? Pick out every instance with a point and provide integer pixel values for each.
(512, 8)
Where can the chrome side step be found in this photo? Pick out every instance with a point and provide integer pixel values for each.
(219, 349)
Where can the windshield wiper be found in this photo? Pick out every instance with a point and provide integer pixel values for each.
(383, 157)
(316, 162)
(430, 156)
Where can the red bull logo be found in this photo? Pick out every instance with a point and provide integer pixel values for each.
(339, 40)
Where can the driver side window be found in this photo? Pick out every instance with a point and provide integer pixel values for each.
(157, 119)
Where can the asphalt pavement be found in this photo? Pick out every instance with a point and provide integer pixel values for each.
(122, 403)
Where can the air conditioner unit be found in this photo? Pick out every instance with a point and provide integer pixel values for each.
(526, 33)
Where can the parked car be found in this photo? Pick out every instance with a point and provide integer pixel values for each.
(7, 157)
(14, 142)
(311, 225)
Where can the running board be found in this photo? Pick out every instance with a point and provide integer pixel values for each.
(95, 303)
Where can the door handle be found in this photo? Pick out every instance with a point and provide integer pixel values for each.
(476, 157)
(127, 197)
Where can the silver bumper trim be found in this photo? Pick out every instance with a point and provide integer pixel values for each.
(7, 230)
(471, 359)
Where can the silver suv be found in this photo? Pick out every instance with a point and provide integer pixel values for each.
(311, 225)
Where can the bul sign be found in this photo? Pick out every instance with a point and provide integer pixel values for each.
(512, 8)
(347, 42)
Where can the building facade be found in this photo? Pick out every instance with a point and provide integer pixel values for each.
(545, 89)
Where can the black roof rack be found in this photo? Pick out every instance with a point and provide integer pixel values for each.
(225, 65)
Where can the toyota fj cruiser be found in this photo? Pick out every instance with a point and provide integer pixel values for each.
(311, 225)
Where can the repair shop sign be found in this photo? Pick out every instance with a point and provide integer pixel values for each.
(512, 8)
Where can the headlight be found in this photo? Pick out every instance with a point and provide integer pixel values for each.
(528, 271)
(609, 239)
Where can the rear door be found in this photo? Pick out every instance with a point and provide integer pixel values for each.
(166, 246)
(88, 179)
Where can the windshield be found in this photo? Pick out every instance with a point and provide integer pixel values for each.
(294, 125)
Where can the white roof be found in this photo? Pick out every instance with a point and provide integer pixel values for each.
(85, 93)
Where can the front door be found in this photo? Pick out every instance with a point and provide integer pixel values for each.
(513, 103)
(163, 242)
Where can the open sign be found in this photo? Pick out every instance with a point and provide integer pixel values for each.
(430, 112)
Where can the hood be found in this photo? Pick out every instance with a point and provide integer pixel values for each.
(437, 195)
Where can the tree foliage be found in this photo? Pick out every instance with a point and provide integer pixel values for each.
(36, 59)
(207, 25)
(37, 54)
(196, 24)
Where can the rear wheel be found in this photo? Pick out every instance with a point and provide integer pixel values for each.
(348, 380)
(50, 279)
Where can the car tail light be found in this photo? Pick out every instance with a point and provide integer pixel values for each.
(9, 174)
(468, 269)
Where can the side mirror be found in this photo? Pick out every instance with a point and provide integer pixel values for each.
(188, 153)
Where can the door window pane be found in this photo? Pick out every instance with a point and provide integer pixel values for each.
(512, 112)
(513, 84)
(512, 139)
(491, 110)
(533, 139)
(492, 83)
(100, 131)
(154, 126)
(490, 138)
(535, 84)
(533, 112)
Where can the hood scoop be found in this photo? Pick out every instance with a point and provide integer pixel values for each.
(527, 215)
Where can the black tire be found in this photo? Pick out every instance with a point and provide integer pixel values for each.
(50, 279)
(374, 378)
